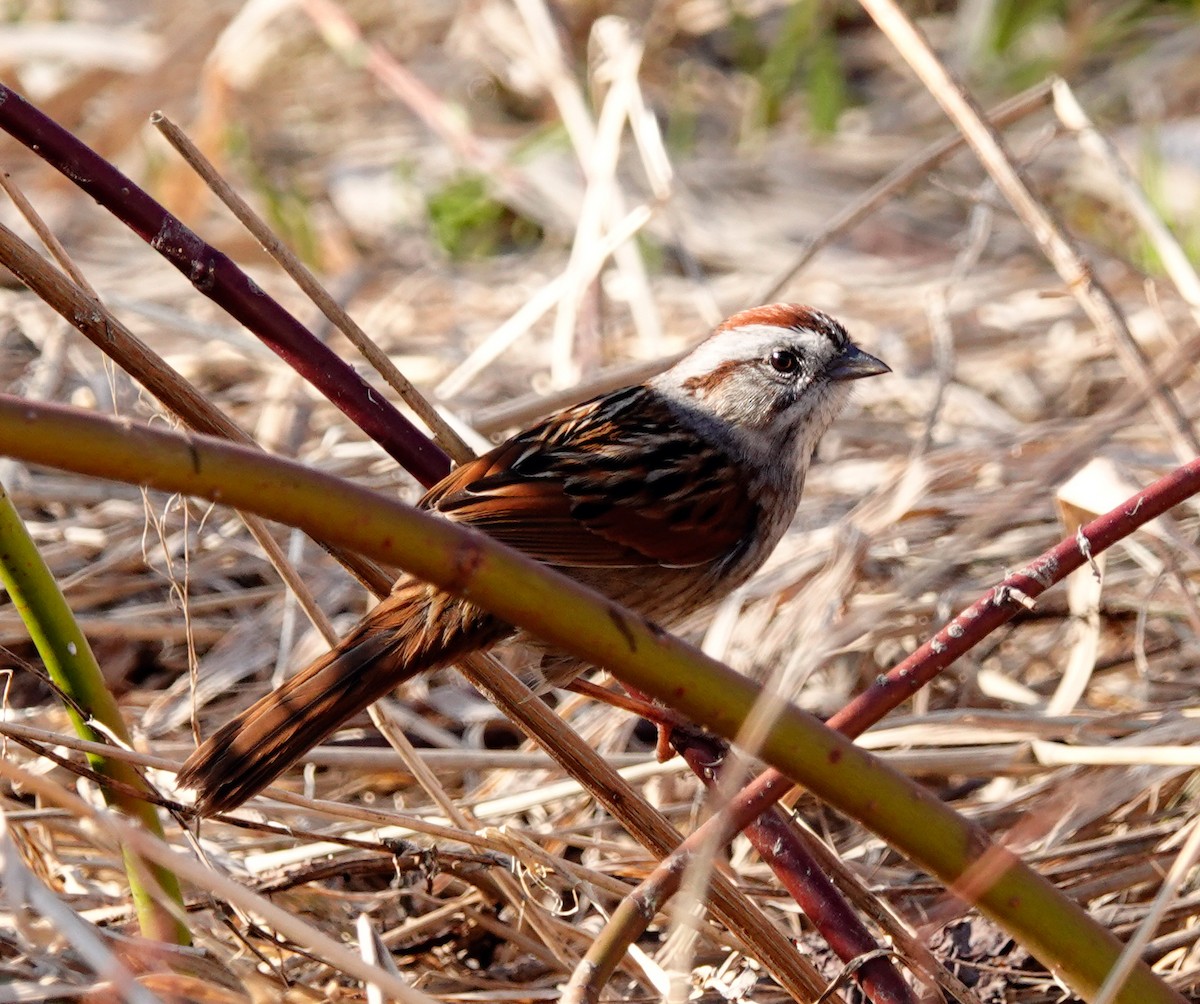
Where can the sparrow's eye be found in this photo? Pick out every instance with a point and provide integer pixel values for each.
(784, 361)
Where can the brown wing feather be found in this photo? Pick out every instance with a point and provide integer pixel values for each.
(582, 489)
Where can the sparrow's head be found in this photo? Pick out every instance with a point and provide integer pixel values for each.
(781, 371)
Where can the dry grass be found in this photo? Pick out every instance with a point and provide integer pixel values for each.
(949, 472)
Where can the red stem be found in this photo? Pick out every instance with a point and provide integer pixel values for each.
(783, 849)
(1002, 603)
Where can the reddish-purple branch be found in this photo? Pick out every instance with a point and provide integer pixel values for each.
(218, 278)
(970, 627)
(802, 874)
(1003, 602)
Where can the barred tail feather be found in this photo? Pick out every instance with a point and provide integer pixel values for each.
(416, 628)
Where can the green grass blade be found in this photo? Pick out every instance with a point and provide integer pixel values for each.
(72, 666)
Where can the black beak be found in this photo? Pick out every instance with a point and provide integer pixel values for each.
(854, 364)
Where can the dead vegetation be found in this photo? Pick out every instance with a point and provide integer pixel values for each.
(441, 190)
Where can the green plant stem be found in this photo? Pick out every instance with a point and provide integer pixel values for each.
(1056, 930)
(72, 666)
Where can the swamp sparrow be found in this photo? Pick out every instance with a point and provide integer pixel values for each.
(665, 496)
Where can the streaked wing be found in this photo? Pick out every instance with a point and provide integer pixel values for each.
(608, 483)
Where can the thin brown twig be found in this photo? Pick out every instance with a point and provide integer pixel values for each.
(52, 244)
(525, 409)
(760, 938)
(80, 307)
(446, 437)
(783, 847)
(724, 772)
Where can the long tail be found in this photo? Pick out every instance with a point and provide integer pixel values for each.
(416, 628)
